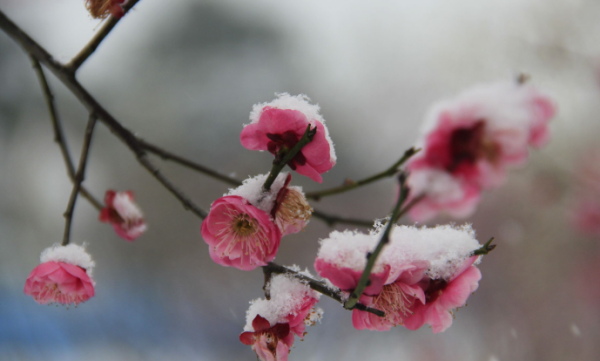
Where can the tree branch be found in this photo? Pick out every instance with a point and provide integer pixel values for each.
(89, 49)
(59, 137)
(319, 286)
(350, 185)
(79, 176)
(372, 256)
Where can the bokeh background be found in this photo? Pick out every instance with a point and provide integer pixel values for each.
(185, 73)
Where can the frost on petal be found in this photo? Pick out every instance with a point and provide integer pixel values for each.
(62, 277)
(251, 190)
(123, 214)
(239, 234)
(277, 126)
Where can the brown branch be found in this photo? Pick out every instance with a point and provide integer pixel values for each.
(79, 176)
(319, 286)
(59, 137)
(66, 76)
(89, 49)
(350, 185)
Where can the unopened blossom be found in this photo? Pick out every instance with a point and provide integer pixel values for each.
(271, 324)
(277, 127)
(442, 296)
(470, 142)
(63, 276)
(291, 210)
(123, 214)
(100, 9)
(239, 234)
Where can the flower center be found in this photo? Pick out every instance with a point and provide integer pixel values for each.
(284, 143)
(51, 293)
(468, 145)
(395, 303)
(242, 230)
(244, 226)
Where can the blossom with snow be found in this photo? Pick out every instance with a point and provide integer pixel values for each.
(271, 324)
(277, 127)
(442, 295)
(406, 272)
(123, 214)
(471, 140)
(100, 9)
(63, 276)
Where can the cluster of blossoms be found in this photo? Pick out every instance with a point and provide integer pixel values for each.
(244, 227)
(419, 278)
(271, 324)
(585, 210)
(101, 9)
(470, 142)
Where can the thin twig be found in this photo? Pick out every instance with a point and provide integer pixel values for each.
(68, 79)
(319, 286)
(59, 137)
(283, 157)
(372, 256)
(79, 176)
(89, 49)
(350, 185)
(165, 154)
(485, 249)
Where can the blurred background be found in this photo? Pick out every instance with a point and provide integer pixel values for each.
(185, 73)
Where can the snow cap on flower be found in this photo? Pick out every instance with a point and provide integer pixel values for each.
(239, 234)
(123, 214)
(271, 324)
(286, 204)
(280, 124)
(470, 141)
(63, 276)
(101, 9)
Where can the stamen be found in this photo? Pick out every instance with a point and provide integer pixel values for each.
(395, 303)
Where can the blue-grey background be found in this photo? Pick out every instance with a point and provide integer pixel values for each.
(185, 73)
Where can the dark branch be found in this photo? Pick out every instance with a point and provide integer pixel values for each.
(89, 49)
(285, 156)
(350, 185)
(319, 286)
(485, 249)
(59, 137)
(372, 256)
(79, 176)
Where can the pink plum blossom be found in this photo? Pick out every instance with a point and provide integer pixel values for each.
(291, 211)
(123, 214)
(442, 296)
(63, 276)
(277, 126)
(239, 234)
(397, 298)
(471, 141)
(271, 324)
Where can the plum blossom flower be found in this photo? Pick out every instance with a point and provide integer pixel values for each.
(291, 211)
(411, 268)
(63, 276)
(471, 141)
(271, 324)
(442, 296)
(277, 126)
(239, 234)
(100, 9)
(123, 214)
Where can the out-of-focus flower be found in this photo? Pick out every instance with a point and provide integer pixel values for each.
(289, 310)
(442, 296)
(100, 9)
(277, 126)
(291, 211)
(239, 234)
(63, 276)
(470, 142)
(123, 214)
(584, 212)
